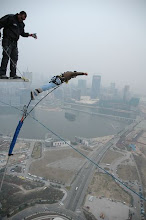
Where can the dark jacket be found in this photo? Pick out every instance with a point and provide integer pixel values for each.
(69, 75)
(12, 27)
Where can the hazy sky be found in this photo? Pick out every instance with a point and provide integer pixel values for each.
(106, 37)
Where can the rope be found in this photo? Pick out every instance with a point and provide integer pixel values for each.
(11, 106)
(4, 174)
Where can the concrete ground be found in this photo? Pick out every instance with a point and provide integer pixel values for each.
(112, 210)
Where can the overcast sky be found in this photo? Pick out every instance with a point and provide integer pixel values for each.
(106, 37)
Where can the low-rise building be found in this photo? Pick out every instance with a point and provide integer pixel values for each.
(56, 143)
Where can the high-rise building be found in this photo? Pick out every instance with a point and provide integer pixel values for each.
(82, 86)
(58, 93)
(76, 94)
(95, 90)
(126, 93)
(112, 87)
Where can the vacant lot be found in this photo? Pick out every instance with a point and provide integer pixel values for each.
(127, 172)
(21, 200)
(37, 150)
(110, 156)
(17, 158)
(19, 183)
(142, 149)
(112, 210)
(141, 164)
(17, 193)
(60, 165)
(104, 185)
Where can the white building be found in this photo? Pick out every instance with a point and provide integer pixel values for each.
(61, 143)
(52, 143)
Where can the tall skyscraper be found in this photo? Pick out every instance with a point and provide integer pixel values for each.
(76, 94)
(112, 87)
(95, 90)
(126, 93)
(82, 86)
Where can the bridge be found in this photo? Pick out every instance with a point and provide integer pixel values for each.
(119, 118)
(99, 107)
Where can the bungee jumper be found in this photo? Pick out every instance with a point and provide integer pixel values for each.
(54, 83)
(13, 28)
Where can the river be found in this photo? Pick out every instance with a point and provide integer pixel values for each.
(84, 125)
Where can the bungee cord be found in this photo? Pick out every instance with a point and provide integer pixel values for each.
(41, 99)
(24, 116)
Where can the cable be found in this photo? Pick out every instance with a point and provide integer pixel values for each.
(11, 106)
(4, 174)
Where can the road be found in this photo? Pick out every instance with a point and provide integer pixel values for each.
(45, 209)
(77, 193)
(79, 187)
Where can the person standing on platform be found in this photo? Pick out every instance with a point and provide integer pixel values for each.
(13, 28)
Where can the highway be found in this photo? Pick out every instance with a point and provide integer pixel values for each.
(79, 187)
(75, 198)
